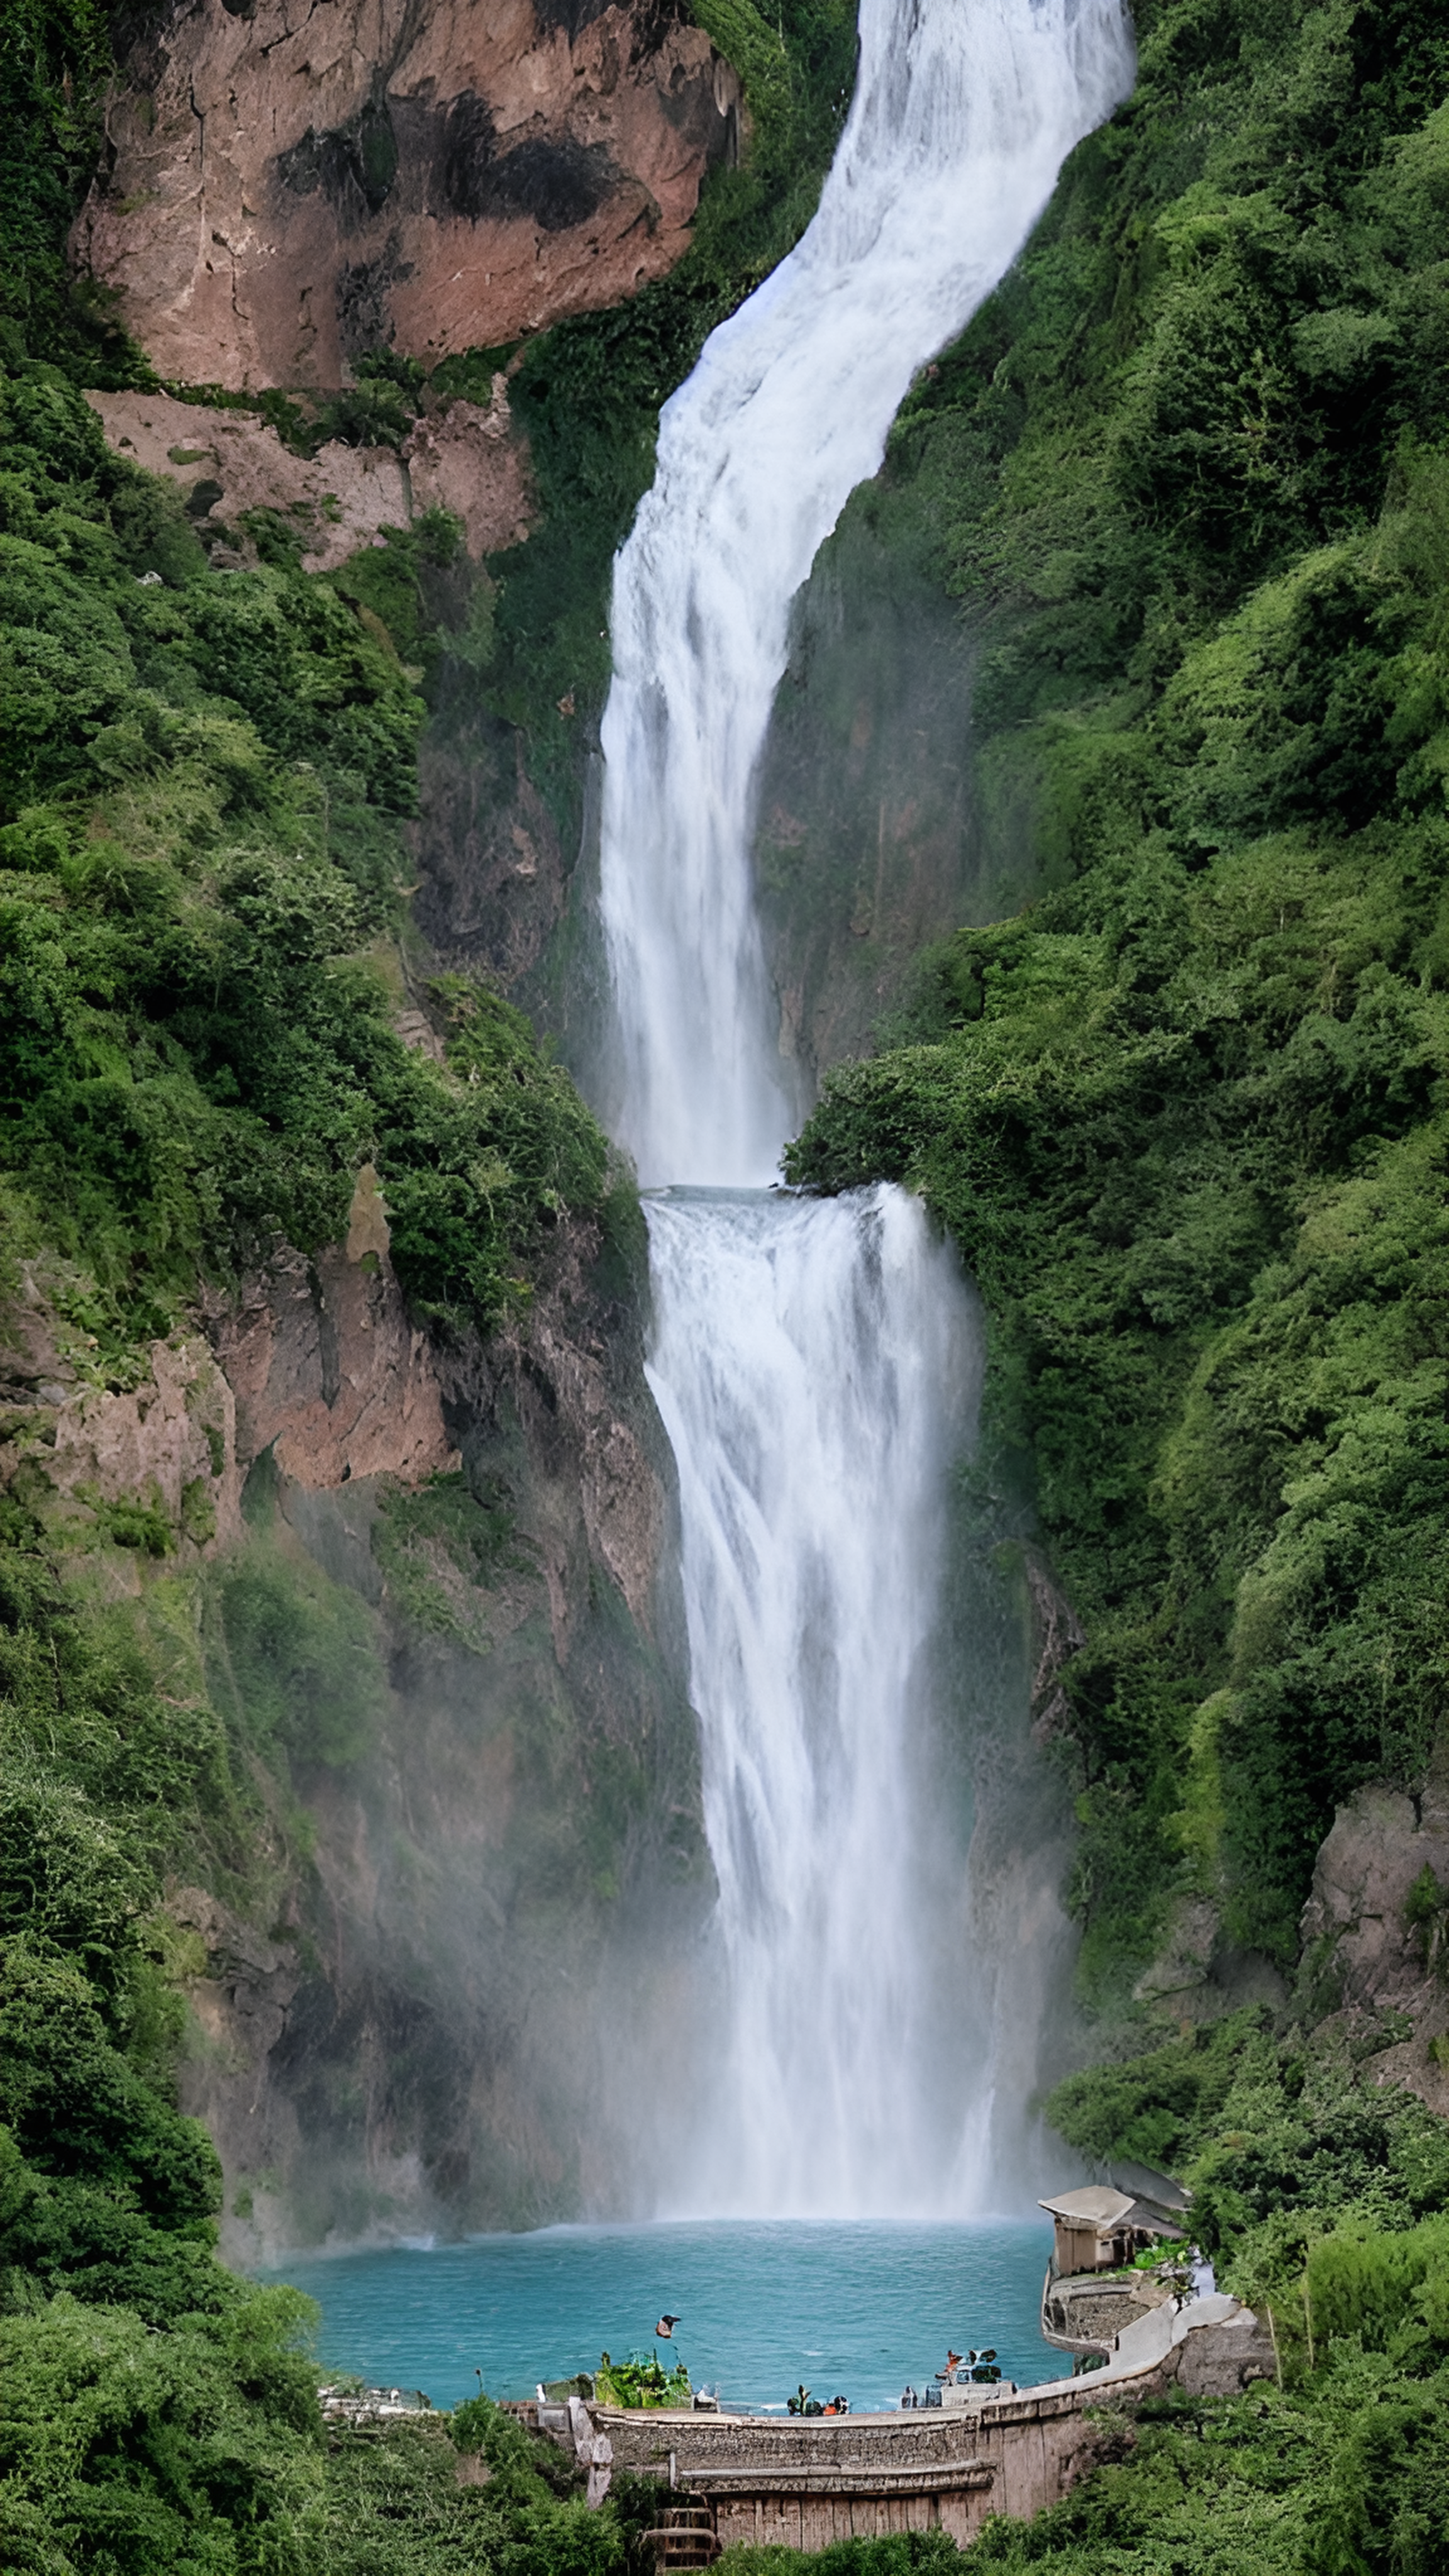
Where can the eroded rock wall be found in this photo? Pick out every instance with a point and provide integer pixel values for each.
(463, 457)
(1376, 1933)
(518, 1837)
(292, 184)
(150, 1463)
(869, 841)
(403, 2003)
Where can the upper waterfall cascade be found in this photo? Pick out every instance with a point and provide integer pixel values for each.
(963, 113)
(813, 1364)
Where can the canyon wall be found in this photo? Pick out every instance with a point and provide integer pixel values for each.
(448, 1564)
(286, 189)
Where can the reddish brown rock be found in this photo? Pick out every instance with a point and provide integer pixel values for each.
(462, 457)
(290, 184)
(327, 1370)
(75, 1448)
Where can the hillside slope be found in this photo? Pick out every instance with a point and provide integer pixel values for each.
(1185, 1113)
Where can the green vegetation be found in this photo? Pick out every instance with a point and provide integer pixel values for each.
(588, 392)
(55, 58)
(152, 2404)
(200, 870)
(1284, 2146)
(436, 1543)
(1185, 1114)
(295, 1660)
(642, 2380)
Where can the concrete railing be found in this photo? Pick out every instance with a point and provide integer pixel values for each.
(809, 2481)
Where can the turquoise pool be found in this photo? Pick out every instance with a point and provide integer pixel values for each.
(854, 2309)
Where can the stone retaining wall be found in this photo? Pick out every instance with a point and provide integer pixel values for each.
(808, 2482)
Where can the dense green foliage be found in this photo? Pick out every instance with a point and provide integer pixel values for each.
(55, 56)
(1283, 2146)
(642, 2380)
(1185, 1113)
(201, 774)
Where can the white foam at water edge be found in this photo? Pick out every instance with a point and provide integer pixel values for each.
(813, 1361)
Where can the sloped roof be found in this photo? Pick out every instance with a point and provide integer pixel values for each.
(1159, 2190)
(1095, 2205)
(1106, 2211)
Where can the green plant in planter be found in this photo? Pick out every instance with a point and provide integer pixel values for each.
(642, 2380)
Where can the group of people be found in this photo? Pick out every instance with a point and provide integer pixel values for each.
(980, 2369)
(802, 2403)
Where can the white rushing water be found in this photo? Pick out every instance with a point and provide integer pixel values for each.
(812, 1363)
(963, 113)
(811, 1360)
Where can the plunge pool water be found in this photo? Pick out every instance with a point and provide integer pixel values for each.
(856, 2310)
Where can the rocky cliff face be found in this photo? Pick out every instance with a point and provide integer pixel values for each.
(401, 2009)
(289, 187)
(330, 1377)
(463, 457)
(518, 1834)
(136, 1468)
(869, 843)
(1376, 1933)
(1372, 1975)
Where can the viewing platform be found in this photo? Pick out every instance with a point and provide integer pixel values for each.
(808, 2481)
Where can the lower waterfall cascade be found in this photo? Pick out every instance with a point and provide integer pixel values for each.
(814, 1426)
(814, 1362)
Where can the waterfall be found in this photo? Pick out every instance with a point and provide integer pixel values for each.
(812, 1362)
(814, 1422)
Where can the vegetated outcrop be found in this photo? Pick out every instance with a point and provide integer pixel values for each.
(330, 1376)
(429, 1791)
(287, 190)
(154, 1456)
(461, 458)
(327, 1447)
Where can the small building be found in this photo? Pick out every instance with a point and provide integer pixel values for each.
(1100, 2229)
(1091, 2293)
